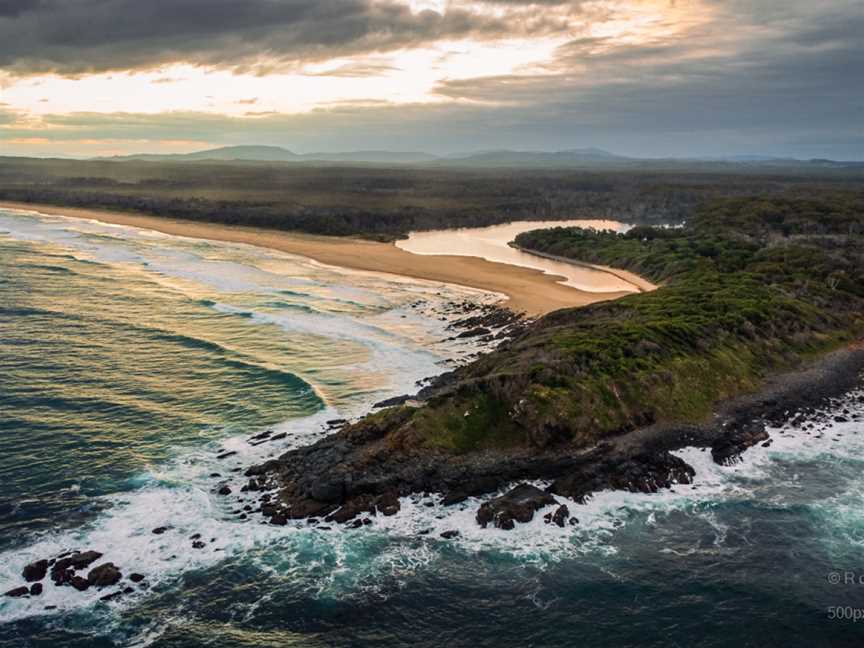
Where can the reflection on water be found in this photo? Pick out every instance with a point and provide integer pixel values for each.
(491, 243)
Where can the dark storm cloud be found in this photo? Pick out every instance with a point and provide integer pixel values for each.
(779, 77)
(17, 7)
(777, 74)
(78, 36)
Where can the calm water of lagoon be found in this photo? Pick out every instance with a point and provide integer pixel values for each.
(492, 243)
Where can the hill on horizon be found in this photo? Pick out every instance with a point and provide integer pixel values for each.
(577, 157)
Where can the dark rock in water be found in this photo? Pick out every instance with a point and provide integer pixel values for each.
(136, 578)
(35, 571)
(449, 535)
(215, 474)
(560, 515)
(83, 559)
(276, 437)
(728, 449)
(224, 490)
(104, 575)
(199, 544)
(18, 592)
(392, 402)
(36, 589)
(336, 422)
(644, 473)
(79, 583)
(279, 519)
(62, 571)
(470, 488)
(388, 504)
(128, 590)
(111, 596)
(225, 455)
(161, 530)
(62, 577)
(351, 509)
(474, 332)
(305, 507)
(451, 498)
(518, 505)
(195, 536)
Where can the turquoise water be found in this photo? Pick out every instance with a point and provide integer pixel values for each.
(129, 359)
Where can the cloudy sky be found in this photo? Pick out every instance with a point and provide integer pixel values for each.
(637, 77)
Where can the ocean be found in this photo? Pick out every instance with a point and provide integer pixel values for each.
(129, 360)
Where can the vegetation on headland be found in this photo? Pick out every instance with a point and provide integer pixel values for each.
(387, 202)
(749, 286)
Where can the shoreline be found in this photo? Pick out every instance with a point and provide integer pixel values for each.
(333, 480)
(527, 290)
(640, 283)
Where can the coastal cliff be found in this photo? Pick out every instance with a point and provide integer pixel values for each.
(755, 293)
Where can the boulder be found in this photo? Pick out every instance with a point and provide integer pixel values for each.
(224, 490)
(727, 450)
(136, 578)
(36, 589)
(18, 592)
(79, 583)
(559, 517)
(518, 505)
(388, 504)
(35, 571)
(104, 575)
(62, 571)
(449, 535)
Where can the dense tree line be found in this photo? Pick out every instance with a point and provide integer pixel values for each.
(377, 201)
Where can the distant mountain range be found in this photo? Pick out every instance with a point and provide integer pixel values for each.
(498, 158)
(279, 154)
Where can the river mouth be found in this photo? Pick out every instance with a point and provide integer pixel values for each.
(493, 244)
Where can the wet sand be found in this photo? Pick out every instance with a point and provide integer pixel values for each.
(528, 290)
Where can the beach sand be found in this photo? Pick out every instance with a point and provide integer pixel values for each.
(530, 291)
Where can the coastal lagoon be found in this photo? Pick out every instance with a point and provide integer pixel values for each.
(129, 360)
(492, 243)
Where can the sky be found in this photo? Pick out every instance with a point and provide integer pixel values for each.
(648, 78)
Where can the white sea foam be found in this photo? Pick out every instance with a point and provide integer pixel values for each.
(338, 561)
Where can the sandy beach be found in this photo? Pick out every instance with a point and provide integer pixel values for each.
(530, 291)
